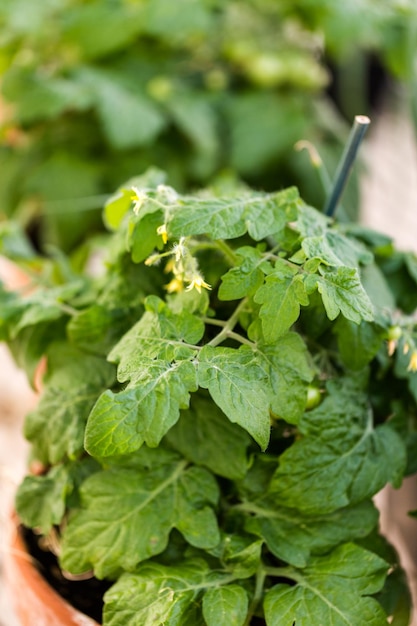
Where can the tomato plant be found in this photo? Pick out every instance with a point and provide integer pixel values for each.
(219, 408)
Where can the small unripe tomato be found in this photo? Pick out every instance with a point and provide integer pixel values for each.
(394, 333)
(313, 397)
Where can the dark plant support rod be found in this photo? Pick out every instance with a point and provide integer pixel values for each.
(359, 128)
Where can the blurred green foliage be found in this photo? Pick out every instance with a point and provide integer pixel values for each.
(93, 91)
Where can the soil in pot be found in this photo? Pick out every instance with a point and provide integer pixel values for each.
(27, 563)
(84, 595)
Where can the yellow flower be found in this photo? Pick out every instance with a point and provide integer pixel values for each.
(175, 286)
(170, 266)
(412, 366)
(162, 230)
(179, 250)
(197, 282)
(139, 197)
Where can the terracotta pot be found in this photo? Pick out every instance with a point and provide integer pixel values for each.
(12, 276)
(35, 602)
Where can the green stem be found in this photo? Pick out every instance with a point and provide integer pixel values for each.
(66, 308)
(317, 164)
(219, 246)
(227, 251)
(213, 321)
(282, 572)
(229, 325)
(230, 333)
(240, 339)
(257, 597)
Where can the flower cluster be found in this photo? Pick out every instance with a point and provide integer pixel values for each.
(182, 264)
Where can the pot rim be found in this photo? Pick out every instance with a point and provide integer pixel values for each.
(30, 593)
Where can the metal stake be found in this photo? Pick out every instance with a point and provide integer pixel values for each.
(357, 133)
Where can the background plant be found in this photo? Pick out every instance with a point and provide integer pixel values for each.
(96, 91)
(186, 456)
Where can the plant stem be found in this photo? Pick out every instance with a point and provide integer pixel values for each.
(229, 326)
(241, 339)
(259, 589)
(66, 308)
(213, 321)
(282, 572)
(227, 251)
(317, 163)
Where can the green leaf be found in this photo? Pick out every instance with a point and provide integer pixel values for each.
(159, 386)
(10, 309)
(191, 301)
(341, 457)
(410, 261)
(97, 328)
(268, 136)
(40, 500)
(395, 598)
(116, 208)
(311, 223)
(158, 595)
(41, 97)
(117, 502)
(161, 334)
(280, 297)
(98, 29)
(45, 305)
(120, 423)
(188, 19)
(196, 118)
(334, 249)
(237, 383)
(239, 554)
(341, 292)
(206, 437)
(218, 218)
(377, 287)
(293, 537)
(129, 117)
(244, 278)
(331, 590)
(358, 343)
(223, 606)
(227, 218)
(74, 381)
(278, 209)
(290, 371)
(143, 236)
(15, 243)
(69, 186)
(119, 203)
